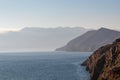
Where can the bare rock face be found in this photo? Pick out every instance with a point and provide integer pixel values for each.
(104, 63)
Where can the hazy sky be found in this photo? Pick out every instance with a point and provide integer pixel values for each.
(15, 14)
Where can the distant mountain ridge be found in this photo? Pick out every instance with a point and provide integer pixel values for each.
(38, 39)
(91, 40)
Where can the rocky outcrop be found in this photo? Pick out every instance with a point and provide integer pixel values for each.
(104, 63)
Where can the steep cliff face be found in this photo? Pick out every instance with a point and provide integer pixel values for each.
(104, 63)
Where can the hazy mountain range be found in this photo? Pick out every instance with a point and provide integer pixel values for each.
(38, 39)
(91, 40)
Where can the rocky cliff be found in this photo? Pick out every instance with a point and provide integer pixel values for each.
(104, 63)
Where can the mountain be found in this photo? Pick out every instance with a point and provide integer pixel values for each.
(38, 39)
(91, 40)
(104, 63)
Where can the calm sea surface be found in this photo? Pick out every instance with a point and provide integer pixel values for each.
(43, 66)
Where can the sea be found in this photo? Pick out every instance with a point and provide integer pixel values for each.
(43, 66)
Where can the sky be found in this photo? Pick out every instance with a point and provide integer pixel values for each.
(17, 14)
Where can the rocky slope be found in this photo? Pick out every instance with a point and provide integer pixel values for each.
(91, 40)
(104, 63)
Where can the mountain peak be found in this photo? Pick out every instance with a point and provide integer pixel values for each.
(91, 40)
(106, 29)
(102, 28)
